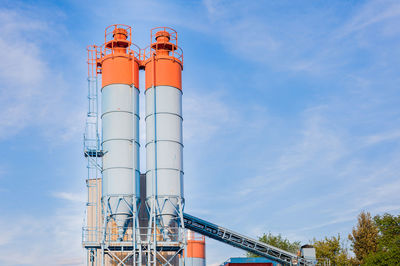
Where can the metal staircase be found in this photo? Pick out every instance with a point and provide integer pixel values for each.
(243, 242)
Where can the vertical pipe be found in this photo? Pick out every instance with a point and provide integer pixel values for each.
(155, 165)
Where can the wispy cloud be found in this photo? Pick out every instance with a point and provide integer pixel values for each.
(385, 136)
(318, 147)
(206, 114)
(72, 197)
(33, 93)
(56, 238)
(373, 12)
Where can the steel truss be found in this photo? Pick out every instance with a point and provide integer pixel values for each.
(164, 244)
(243, 242)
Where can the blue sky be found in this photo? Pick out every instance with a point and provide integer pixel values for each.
(291, 116)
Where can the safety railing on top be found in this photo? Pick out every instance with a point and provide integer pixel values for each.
(193, 236)
(109, 31)
(148, 52)
(97, 52)
(176, 51)
(173, 34)
(133, 50)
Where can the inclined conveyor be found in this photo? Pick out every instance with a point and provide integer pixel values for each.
(243, 242)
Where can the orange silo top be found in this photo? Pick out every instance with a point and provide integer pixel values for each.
(163, 59)
(118, 61)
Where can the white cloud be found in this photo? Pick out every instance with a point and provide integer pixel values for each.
(324, 42)
(382, 137)
(74, 197)
(318, 148)
(33, 93)
(56, 238)
(248, 37)
(205, 115)
(328, 156)
(371, 13)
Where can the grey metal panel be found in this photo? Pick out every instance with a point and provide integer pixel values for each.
(164, 150)
(116, 97)
(117, 154)
(169, 156)
(195, 262)
(169, 100)
(121, 149)
(118, 126)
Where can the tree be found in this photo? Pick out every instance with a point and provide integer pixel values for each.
(279, 242)
(364, 237)
(332, 249)
(388, 249)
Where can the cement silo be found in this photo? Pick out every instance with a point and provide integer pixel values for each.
(164, 165)
(120, 126)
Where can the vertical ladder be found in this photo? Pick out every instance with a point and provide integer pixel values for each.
(92, 152)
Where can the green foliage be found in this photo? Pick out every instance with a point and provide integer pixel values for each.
(364, 237)
(332, 249)
(374, 242)
(279, 242)
(388, 250)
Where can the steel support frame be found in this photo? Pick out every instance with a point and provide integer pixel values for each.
(107, 242)
(157, 243)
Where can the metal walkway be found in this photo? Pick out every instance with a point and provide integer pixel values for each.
(240, 241)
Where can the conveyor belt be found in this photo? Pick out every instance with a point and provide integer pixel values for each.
(240, 241)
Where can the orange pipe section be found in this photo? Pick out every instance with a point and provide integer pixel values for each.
(196, 249)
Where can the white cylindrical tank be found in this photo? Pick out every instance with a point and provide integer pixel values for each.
(120, 129)
(164, 148)
(119, 115)
(164, 165)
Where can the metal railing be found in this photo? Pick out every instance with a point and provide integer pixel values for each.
(94, 235)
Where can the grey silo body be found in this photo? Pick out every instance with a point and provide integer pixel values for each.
(164, 164)
(120, 128)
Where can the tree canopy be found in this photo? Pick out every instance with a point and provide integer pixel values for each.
(388, 249)
(364, 237)
(332, 250)
(374, 241)
(279, 242)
